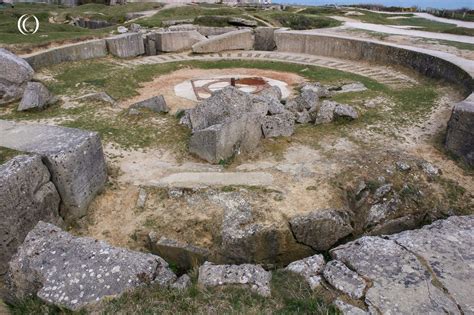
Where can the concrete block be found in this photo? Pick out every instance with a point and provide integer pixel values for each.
(176, 41)
(74, 158)
(27, 196)
(126, 45)
(236, 40)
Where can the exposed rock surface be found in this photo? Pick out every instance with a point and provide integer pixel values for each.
(156, 104)
(428, 270)
(236, 40)
(278, 125)
(242, 22)
(345, 111)
(344, 279)
(249, 276)
(348, 309)
(74, 158)
(126, 45)
(14, 73)
(321, 229)
(185, 256)
(182, 283)
(210, 31)
(326, 112)
(264, 38)
(75, 272)
(460, 132)
(310, 268)
(36, 96)
(27, 196)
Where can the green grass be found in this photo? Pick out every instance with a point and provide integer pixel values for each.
(7, 154)
(298, 21)
(290, 295)
(427, 25)
(48, 32)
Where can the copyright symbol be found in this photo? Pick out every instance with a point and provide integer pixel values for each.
(22, 27)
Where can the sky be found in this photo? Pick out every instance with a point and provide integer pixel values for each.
(440, 4)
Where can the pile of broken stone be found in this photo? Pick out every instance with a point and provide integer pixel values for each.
(232, 121)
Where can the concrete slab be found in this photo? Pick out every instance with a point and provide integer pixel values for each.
(205, 179)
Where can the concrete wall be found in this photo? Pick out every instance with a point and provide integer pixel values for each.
(74, 52)
(371, 51)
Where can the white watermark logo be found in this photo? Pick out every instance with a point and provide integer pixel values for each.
(27, 29)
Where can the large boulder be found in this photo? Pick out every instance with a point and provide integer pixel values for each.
(27, 196)
(321, 229)
(460, 132)
(236, 40)
(14, 73)
(222, 141)
(74, 158)
(175, 41)
(265, 39)
(252, 277)
(224, 105)
(74, 272)
(126, 45)
(36, 96)
(416, 272)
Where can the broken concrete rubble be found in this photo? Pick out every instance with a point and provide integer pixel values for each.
(74, 272)
(15, 72)
(36, 96)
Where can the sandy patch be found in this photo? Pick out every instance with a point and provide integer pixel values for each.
(164, 85)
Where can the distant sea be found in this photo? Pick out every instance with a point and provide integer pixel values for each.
(439, 4)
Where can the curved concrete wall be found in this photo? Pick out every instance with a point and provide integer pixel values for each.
(426, 62)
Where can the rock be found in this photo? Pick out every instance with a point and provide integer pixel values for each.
(460, 131)
(183, 283)
(141, 200)
(36, 96)
(236, 40)
(382, 191)
(74, 158)
(264, 39)
(98, 97)
(348, 309)
(345, 111)
(156, 104)
(351, 87)
(74, 272)
(326, 112)
(381, 211)
(321, 229)
(320, 90)
(278, 125)
(272, 92)
(210, 31)
(126, 45)
(134, 112)
(402, 166)
(91, 24)
(175, 41)
(244, 240)
(310, 268)
(15, 72)
(135, 28)
(445, 247)
(275, 107)
(185, 256)
(303, 117)
(220, 142)
(242, 22)
(248, 276)
(344, 279)
(122, 29)
(308, 99)
(150, 46)
(430, 169)
(27, 196)
(224, 105)
(401, 284)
